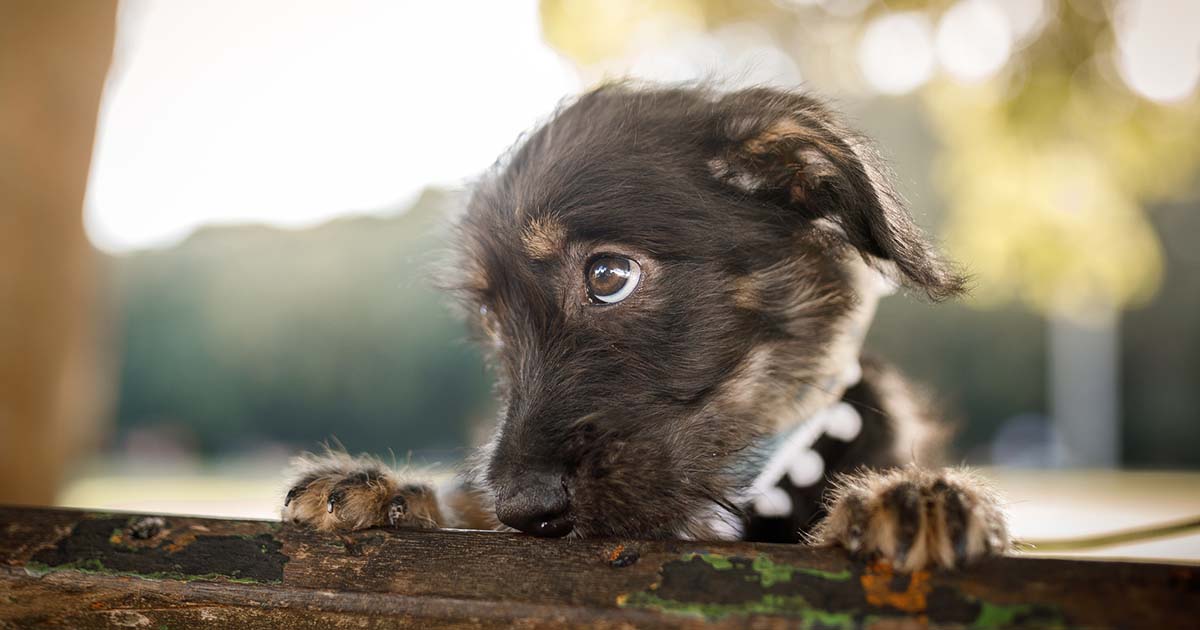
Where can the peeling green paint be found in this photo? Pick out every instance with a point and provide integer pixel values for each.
(771, 573)
(714, 586)
(714, 560)
(778, 605)
(766, 588)
(1006, 616)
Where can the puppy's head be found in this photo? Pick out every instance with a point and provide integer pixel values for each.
(657, 273)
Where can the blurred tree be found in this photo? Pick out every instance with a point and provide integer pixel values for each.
(246, 333)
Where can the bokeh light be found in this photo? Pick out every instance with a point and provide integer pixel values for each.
(896, 52)
(1158, 52)
(973, 40)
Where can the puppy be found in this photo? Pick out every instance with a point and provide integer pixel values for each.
(673, 285)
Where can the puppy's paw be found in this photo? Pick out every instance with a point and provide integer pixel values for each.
(337, 492)
(915, 518)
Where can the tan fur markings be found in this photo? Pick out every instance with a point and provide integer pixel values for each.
(745, 390)
(746, 293)
(783, 128)
(808, 160)
(544, 238)
(469, 508)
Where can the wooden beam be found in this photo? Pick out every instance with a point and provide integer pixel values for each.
(73, 569)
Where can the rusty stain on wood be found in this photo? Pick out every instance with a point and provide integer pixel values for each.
(883, 587)
(63, 568)
(621, 557)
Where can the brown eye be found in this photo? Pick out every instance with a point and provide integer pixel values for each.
(611, 279)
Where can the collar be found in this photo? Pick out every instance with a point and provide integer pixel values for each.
(817, 410)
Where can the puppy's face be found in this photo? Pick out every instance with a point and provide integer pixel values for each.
(656, 273)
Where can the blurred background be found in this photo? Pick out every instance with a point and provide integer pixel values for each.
(218, 223)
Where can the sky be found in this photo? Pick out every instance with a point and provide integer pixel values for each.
(291, 112)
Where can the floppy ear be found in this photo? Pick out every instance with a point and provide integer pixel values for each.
(791, 149)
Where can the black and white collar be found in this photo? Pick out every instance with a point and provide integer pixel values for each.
(790, 457)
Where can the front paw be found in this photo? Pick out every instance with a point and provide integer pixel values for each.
(915, 518)
(337, 492)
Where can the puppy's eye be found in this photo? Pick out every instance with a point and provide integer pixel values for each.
(612, 278)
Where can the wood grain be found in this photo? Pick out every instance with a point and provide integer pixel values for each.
(71, 569)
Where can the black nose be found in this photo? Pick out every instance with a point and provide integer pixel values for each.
(536, 503)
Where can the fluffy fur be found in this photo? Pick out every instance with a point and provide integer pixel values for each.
(915, 517)
(752, 215)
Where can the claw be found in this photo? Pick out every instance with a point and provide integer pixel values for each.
(292, 494)
(335, 497)
(855, 534)
(397, 510)
(854, 538)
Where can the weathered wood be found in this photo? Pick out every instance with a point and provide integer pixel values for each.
(71, 569)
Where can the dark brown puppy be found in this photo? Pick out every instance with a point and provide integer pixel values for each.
(665, 279)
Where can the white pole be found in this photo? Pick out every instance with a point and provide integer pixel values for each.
(1084, 388)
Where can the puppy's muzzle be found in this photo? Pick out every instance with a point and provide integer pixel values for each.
(536, 503)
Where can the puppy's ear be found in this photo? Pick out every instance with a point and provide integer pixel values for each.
(791, 149)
